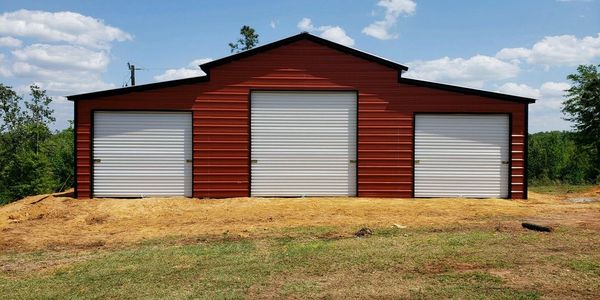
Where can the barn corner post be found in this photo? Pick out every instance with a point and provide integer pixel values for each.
(75, 153)
(526, 155)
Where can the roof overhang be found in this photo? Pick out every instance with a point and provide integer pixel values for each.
(464, 90)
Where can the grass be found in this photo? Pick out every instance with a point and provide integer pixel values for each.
(400, 264)
(299, 248)
(559, 189)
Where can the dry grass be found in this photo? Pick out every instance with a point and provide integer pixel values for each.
(59, 222)
(58, 247)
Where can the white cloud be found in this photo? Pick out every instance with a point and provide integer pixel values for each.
(555, 88)
(562, 50)
(473, 71)
(513, 53)
(332, 33)
(545, 114)
(61, 82)
(550, 94)
(393, 9)
(4, 70)
(61, 69)
(274, 24)
(75, 64)
(63, 57)
(173, 74)
(522, 90)
(191, 70)
(62, 26)
(338, 35)
(64, 53)
(10, 42)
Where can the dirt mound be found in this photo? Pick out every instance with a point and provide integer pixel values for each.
(61, 222)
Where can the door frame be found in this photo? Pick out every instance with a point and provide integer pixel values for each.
(283, 90)
(91, 162)
(510, 130)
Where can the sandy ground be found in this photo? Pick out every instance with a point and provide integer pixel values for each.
(59, 222)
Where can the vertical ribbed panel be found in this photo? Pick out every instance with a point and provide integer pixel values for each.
(141, 154)
(221, 118)
(303, 143)
(461, 155)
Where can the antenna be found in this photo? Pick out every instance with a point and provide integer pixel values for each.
(132, 69)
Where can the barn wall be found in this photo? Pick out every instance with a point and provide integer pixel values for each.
(221, 117)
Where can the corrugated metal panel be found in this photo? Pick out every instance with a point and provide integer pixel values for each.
(303, 143)
(461, 155)
(141, 154)
(221, 117)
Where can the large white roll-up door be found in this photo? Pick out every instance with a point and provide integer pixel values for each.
(303, 143)
(461, 155)
(141, 154)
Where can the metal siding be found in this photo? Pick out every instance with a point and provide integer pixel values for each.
(303, 144)
(221, 118)
(461, 155)
(142, 154)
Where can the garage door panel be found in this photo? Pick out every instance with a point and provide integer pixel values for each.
(140, 154)
(303, 143)
(461, 155)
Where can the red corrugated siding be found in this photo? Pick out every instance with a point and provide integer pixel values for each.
(221, 113)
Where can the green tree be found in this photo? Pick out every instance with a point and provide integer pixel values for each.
(555, 157)
(248, 39)
(33, 160)
(10, 112)
(58, 149)
(582, 107)
(39, 116)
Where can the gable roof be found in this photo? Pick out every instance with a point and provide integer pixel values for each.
(305, 36)
(301, 36)
(227, 59)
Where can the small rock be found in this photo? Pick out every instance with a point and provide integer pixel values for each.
(399, 226)
(364, 232)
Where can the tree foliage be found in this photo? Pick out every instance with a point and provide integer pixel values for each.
(247, 41)
(582, 107)
(555, 157)
(33, 160)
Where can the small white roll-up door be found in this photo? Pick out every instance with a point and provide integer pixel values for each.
(303, 143)
(462, 155)
(142, 154)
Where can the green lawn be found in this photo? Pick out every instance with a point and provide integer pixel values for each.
(310, 262)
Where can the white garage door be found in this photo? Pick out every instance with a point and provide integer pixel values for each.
(461, 155)
(303, 143)
(141, 154)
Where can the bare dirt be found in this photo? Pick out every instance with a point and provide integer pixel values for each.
(58, 221)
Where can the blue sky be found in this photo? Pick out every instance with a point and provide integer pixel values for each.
(516, 47)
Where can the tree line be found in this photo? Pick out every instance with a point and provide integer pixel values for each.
(559, 157)
(33, 159)
(571, 157)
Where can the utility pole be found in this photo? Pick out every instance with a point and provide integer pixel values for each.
(132, 69)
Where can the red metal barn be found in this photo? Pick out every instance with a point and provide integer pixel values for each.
(302, 116)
